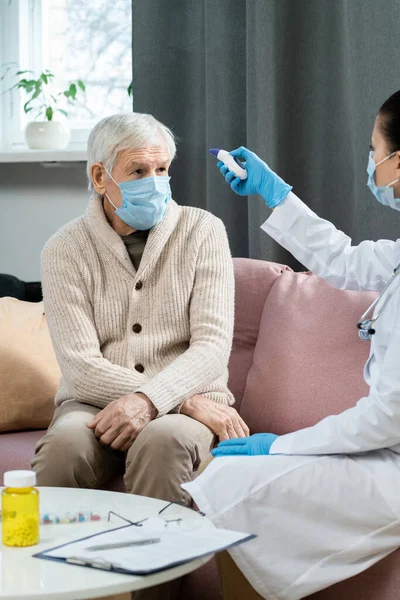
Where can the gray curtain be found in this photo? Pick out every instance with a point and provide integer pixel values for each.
(297, 81)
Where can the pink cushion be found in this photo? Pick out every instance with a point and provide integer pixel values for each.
(308, 361)
(253, 282)
(16, 450)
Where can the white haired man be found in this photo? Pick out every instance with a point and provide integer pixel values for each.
(139, 297)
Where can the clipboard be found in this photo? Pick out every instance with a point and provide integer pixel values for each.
(172, 551)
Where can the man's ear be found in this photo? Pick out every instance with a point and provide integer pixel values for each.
(99, 178)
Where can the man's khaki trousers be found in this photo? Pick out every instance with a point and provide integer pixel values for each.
(163, 456)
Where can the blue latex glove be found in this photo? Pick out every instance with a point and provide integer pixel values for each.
(260, 179)
(259, 443)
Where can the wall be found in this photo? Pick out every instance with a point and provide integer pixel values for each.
(35, 201)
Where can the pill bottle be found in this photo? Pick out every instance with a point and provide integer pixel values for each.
(20, 509)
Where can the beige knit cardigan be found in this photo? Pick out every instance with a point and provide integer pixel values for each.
(165, 330)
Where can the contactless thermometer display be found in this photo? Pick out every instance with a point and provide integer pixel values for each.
(231, 162)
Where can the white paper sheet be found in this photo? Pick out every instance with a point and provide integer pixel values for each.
(181, 543)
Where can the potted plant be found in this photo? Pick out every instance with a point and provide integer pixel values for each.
(46, 133)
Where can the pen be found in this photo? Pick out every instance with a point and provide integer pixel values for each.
(124, 544)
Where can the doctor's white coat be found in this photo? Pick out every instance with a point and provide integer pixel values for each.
(325, 503)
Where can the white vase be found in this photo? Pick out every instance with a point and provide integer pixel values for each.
(47, 135)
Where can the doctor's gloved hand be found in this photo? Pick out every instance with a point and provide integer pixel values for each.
(259, 443)
(260, 179)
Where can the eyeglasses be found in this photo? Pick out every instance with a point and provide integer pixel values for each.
(161, 523)
(366, 326)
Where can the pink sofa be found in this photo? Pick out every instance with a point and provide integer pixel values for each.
(296, 358)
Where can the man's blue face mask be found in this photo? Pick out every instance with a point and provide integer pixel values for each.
(144, 201)
(384, 194)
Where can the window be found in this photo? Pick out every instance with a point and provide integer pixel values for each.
(90, 41)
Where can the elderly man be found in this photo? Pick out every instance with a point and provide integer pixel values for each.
(139, 297)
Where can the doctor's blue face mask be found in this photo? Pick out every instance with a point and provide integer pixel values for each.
(384, 194)
(144, 201)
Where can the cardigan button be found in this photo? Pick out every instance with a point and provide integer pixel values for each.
(139, 285)
(139, 368)
(137, 328)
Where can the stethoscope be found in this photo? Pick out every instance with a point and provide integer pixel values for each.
(366, 326)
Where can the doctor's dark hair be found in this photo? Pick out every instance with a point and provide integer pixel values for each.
(390, 121)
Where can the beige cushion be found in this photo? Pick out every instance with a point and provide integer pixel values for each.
(29, 372)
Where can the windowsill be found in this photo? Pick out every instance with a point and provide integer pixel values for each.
(42, 156)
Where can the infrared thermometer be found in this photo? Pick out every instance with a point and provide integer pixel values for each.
(231, 162)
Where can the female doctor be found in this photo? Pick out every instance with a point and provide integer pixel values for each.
(324, 501)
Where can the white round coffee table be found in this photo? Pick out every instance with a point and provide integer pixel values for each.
(22, 576)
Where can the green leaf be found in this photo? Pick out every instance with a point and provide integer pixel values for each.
(26, 109)
(37, 92)
(129, 89)
(44, 78)
(22, 72)
(49, 113)
(64, 112)
(81, 85)
(72, 91)
(29, 84)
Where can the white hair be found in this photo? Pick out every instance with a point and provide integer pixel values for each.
(125, 131)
